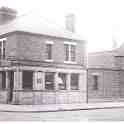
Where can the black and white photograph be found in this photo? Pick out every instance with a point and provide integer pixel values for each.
(62, 60)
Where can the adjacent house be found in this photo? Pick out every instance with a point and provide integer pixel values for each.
(40, 63)
(106, 76)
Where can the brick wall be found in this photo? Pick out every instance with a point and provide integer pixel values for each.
(26, 46)
(32, 47)
(122, 84)
(11, 45)
(108, 85)
(119, 62)
(102, 60)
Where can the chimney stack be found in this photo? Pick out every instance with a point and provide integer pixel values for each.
(7, 14)
(70, 22)
(114, 43)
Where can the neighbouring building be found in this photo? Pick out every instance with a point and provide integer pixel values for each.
(106, 76)
(40, 63)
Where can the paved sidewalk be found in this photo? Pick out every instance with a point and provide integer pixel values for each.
(59, 107)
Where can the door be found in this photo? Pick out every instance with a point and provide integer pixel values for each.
(11, 84)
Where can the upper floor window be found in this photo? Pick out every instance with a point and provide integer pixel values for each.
(66, 47)
(2, 48)
(70, 51)
(49, 45)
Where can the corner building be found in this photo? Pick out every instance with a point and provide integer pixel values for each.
(40, 63)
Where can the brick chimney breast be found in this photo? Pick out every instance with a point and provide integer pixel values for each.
(7, 15)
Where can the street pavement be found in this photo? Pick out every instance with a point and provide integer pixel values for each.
(112, 114)
(59, 107)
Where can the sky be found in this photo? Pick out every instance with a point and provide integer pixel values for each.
(100, 22)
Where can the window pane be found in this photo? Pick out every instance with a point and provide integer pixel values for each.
(49, 80)
(74, 81)
(4, 49)
(0, 53)
(95, 79)
(62, 85)
(73, 54)
(0, 50)
(27, 79)
(66, 49)
(39, 78)
(48, 51)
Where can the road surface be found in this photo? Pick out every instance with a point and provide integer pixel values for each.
(115, 114)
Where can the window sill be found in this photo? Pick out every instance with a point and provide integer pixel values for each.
(74, 89)
(26, 89)
(49, 60)
(70, 62)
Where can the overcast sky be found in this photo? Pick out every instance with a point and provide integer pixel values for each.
(98, 21)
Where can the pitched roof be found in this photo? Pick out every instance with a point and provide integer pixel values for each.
(34, 23)
(120, 51)
(106, 52)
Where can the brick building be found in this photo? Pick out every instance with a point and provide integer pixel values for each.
(40, 63)
(106, 76)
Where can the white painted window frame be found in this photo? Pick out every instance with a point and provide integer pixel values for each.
(49, 42)
(70, 43)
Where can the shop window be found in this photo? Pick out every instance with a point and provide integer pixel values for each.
(27, 79)
(62, 81)
(74, 81)
(49, 81)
